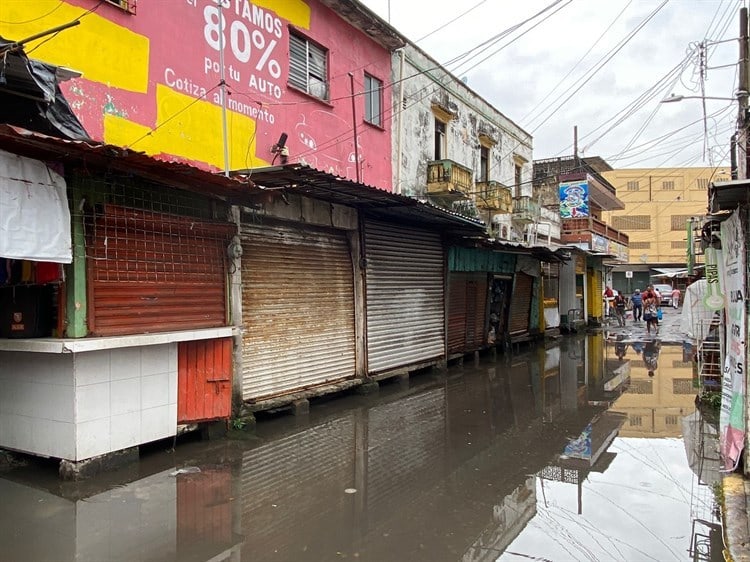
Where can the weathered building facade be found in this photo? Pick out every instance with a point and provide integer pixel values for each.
(186, 293)
(274, 84)
(575, 188)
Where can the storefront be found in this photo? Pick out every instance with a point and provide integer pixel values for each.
(405, 280)
(297, 307)
(479, 293)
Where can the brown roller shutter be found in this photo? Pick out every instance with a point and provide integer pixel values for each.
(155, 272)
(297, 308)
(457, 312)
(467, 310)
(520, 306)
(476, 312)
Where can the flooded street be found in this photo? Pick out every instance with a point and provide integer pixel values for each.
(565, 452)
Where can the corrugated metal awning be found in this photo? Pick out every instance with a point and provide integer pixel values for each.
(110, 157)
(374, 202)
(242, 186)
(727, 195)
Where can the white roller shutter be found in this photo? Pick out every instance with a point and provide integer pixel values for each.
(405, 296)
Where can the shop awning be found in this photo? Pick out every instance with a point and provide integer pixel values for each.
(672, 272)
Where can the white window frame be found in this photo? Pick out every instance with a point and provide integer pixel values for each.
(308, 66)
(373, 100)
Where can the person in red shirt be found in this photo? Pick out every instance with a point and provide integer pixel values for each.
(651, 301)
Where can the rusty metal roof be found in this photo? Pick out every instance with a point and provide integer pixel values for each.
(241, 187)
(109, 157)
(373, 201)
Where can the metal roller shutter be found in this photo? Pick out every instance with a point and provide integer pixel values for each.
(457, 312)
(520, 306)
(467, 311)
(476, 312)
(155, 272)
(297, 308)
(405, 306)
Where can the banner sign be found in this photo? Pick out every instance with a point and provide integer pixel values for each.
(599, 243)
(732, 419)
(574, 199)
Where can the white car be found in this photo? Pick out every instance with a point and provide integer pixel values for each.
(666, 293)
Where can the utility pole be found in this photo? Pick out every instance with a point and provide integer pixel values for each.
(354, 124)
(742, 98)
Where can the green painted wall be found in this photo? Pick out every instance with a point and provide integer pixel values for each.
(479, 259)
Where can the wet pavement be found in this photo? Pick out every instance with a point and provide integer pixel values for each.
(567, 451)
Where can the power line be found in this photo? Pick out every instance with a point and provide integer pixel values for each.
(578, 62)
(446, 24)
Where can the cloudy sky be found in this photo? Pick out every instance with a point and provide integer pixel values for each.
(602, 65)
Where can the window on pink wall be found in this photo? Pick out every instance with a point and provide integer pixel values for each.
(373, 100)
(308, 66)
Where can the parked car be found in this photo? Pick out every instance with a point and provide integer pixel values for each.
(666, 293)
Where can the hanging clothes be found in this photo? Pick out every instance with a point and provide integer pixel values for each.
(47, 272)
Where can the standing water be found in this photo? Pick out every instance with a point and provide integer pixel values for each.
(569, 451)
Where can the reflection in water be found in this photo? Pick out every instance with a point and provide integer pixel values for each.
(508, 457)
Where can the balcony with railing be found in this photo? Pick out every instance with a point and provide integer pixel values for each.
(595, 234)
(494, 196)
(525, 209)
(449, 180)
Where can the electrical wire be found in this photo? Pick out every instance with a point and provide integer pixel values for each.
(52, 11)
(455, 19)
(79, 18)
(157, 127)
(602, 62)
(496, 51)
(577, 63)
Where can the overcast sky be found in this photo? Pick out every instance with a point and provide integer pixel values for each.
(530, 79)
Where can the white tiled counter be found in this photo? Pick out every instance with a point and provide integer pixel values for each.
(77, 399)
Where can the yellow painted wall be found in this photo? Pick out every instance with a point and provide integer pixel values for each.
(116, 57)
(192, 133)
(595, 287)
(660, 244)
(121, 61)
(654, 414)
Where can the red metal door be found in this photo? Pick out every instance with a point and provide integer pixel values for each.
(204, 386)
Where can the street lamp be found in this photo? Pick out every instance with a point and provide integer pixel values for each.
(676, 97)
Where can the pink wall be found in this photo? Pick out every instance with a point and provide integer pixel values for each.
(182, 58)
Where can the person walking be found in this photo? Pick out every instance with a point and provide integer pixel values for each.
(637, 301)
(650, 314)
(675, 297)
(620, 303)
(607, 295)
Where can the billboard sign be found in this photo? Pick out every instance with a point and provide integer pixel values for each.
(574, 199)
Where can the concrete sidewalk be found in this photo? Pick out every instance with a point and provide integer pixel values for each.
(734, 516)
(735, 487)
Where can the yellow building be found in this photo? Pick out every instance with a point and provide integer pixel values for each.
(658, 204)
(656, 405)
